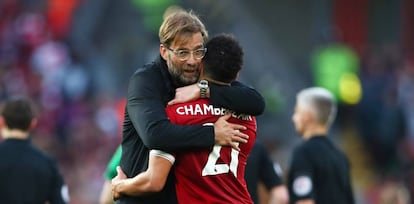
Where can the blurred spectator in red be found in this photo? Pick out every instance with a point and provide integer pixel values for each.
(59, 15)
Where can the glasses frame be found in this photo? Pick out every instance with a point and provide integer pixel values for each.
(190, 52)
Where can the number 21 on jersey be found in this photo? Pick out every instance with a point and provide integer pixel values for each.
(212, 168)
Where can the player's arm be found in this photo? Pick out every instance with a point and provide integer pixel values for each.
(237, 97)
(110, 171)
(279, 194)
(145, 109)
(105, 196)
(307, 201)
(150, 181)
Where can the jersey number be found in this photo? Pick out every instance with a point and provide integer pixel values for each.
(212, 168)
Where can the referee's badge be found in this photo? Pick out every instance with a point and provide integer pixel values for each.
(302, 185)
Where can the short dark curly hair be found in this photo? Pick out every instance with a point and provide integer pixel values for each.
(224, 58)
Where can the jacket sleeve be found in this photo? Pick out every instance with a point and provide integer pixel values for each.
(59, 192)
(146, 111)
(237, 97)
(268, 174)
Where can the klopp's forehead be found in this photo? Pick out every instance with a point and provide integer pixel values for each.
(188, 40)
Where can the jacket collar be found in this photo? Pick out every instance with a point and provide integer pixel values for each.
(167, 80)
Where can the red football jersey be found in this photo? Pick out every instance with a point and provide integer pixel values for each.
(216, 174)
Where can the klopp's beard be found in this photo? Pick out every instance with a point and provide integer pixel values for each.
(177, 73)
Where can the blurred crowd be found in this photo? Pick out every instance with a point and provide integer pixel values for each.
(384, 117)
(77, 125)
(79, 121)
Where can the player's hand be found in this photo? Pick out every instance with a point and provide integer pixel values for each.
(228, 134)
(186, 94)
(116, 181)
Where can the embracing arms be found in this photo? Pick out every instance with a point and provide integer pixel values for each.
(145, 109)
(237, 97)
(150, 181)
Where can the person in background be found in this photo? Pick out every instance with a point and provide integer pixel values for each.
(27, 174)
(319, 172)
(260, 169)
(105, 196)
(146, 126)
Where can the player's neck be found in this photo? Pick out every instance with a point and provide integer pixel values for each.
(216, 82)
(315, 130)
(15, 134)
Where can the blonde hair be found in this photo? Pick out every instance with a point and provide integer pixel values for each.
(180, 23)
(170, 10)
(320, 102)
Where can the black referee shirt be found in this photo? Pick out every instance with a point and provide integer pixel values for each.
(260, 168)
(27, 175)
(320, 171)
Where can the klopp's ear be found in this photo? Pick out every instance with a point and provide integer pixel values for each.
(308, 116)
(163, 52)
(237, 75)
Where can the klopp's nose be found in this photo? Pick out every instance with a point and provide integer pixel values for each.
(192, 60)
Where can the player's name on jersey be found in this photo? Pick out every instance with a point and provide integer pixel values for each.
(204, 109)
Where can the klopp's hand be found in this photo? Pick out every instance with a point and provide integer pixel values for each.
(186, 94)
(228, 134)
(116, 182)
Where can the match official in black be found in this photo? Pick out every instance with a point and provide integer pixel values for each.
(27, 175)
(319, 172)
(260, 168)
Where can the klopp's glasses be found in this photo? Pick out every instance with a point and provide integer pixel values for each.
(184, 55)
